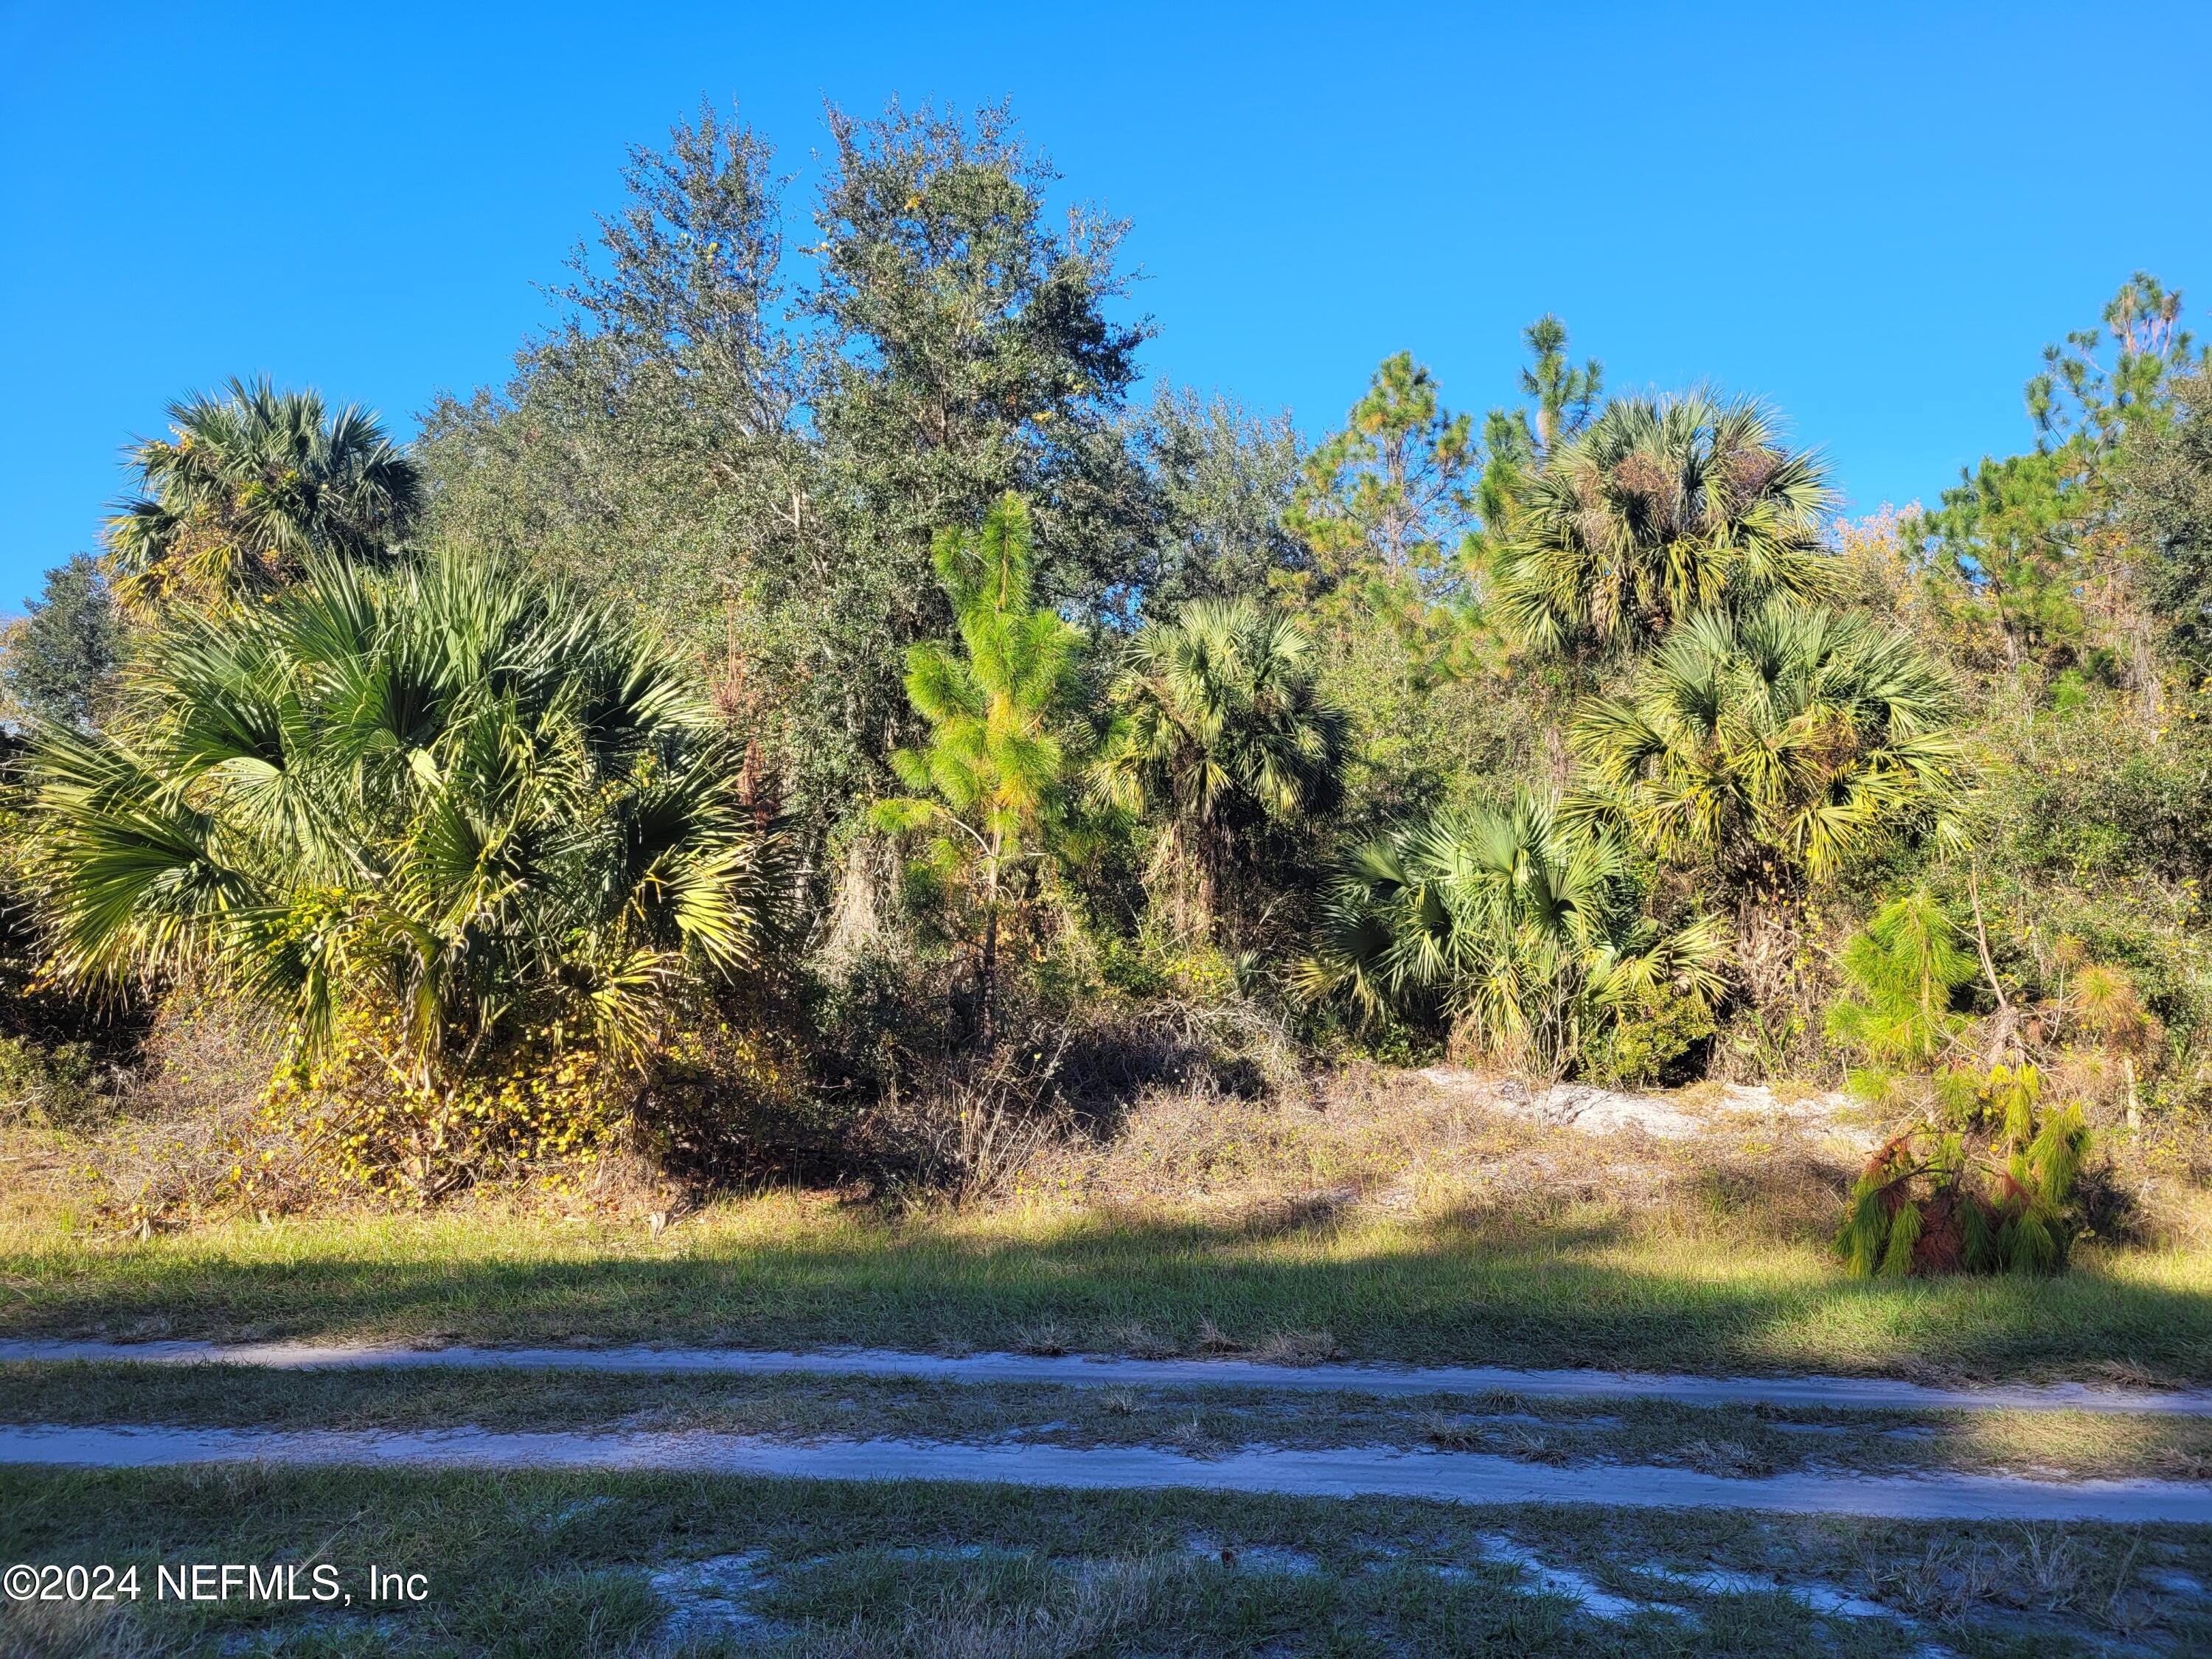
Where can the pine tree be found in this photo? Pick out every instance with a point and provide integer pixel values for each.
(1975, 1199)
(1392, 490)
(1902, 971)
(60, 659)
(990, 785)
(1564, 397)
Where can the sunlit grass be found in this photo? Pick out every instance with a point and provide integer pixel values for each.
(786, 1270)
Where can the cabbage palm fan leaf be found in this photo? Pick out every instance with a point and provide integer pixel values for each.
(1218, 728)
(251, 483)
(1659, 510)
(1769, 748)
(150, 874)
(437, 792)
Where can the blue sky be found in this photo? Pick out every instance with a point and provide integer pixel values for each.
(1873, 215)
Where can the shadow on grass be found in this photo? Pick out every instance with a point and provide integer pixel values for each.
(1436, 1291)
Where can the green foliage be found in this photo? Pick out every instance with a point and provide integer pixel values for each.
(2165, 473)
(990, 789)
(255, 483)
(1903, 972)
(464, 819)
(1767, 749)
(686, 289)
(471, 803)
(643, 449)
(1933, 1201)
(1656, 1039)
(761, 472)
(1223, 479)
(2099, 830)
(47, 1024)
(1525, 934)
(1562, 398)
(1389, 506)
(1394, 488)
(1436, 718)
(58, 664)
(52, 1085)
(2009, 531)
(2042, 541)
(1217, 732)
(2080, 396)
(1660, 509)
(968, 353)
(2095, 797)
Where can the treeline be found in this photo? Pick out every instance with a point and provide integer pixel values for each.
(806, 682)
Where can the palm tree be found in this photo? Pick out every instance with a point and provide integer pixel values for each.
(1218, 727)
(475, 808)
(1522, 930)
(1767, 749)
(254, 483)
(1659, 509)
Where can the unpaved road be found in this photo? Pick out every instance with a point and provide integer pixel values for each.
(1846, 1393)
(1458, 1477)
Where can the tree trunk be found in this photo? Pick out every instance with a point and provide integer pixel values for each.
(987, 971)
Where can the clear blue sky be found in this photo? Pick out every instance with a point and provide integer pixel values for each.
(1872, 215)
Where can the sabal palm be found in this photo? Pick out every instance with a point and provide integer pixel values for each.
(254, 482)
(1218, 728)
(1660, 509)
(1521, 929)
(437, 793)
(1769, 748)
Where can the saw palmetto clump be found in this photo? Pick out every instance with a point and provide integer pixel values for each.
(1218, 730)
(1523, 933)
(457, 817)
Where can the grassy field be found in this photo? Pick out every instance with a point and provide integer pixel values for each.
(791, 1271)
(572, 1565)
(1728, 1440)
(1276, 1234)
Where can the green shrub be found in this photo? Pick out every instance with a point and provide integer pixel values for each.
(1975, 1198)
(1650, 1041)
(52, 1085)
(1519, 931)
(450, 829)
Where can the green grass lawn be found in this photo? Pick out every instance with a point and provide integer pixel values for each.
(531, 1564)
(783, 1271)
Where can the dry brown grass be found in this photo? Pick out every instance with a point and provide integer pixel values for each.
(1731, 1459)
(1369, 1140)
(1166, 1112)
(1134, 1340)
(1083, 1616)
(1447, 1434)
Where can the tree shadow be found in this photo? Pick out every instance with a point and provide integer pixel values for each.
(1443, 1290)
